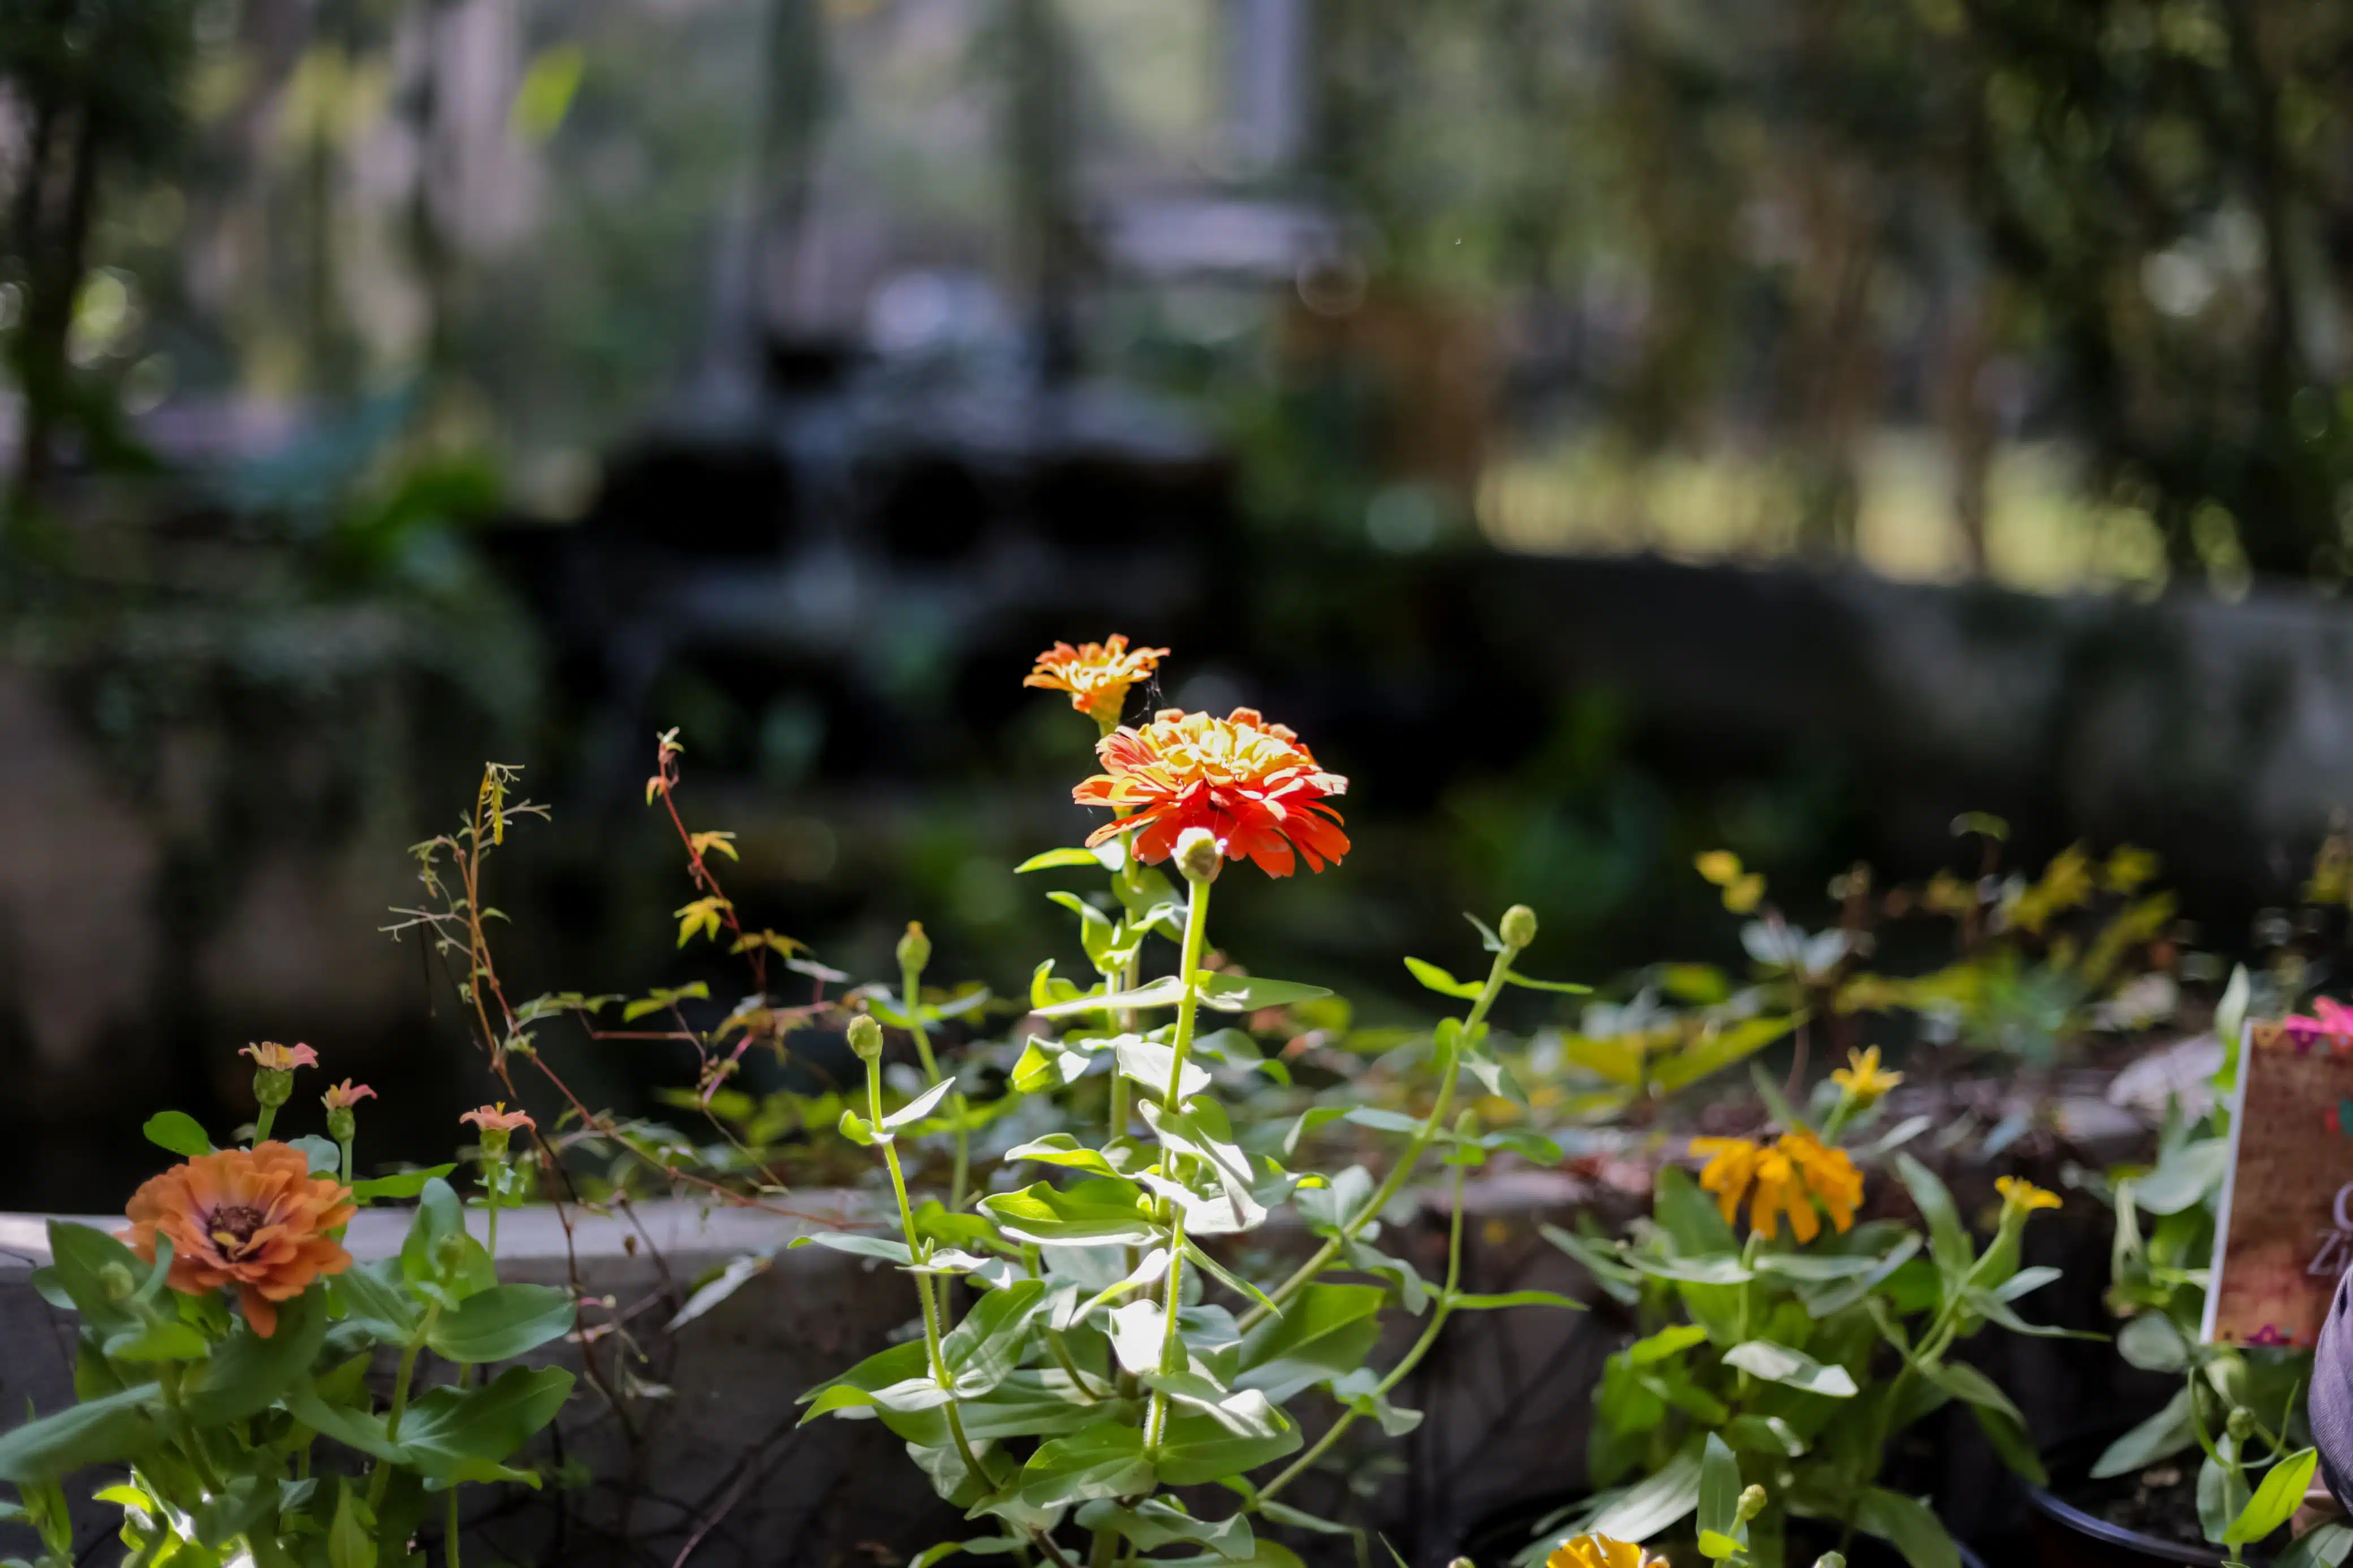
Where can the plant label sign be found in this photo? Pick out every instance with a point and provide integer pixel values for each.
(2284, 1231)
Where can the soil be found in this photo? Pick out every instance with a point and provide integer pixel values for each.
(2160, 1501)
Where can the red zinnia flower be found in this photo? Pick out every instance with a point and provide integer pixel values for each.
(1251, 783)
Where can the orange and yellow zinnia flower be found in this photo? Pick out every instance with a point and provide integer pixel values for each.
(1862, 1078)
(1730, 1170)
(252, 1218)
(1787, 1177)
(271, 1056)
(1600, 1551)
(1096, 675)
(1249, 783)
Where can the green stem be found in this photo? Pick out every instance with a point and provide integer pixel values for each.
(1189, 968)
(1197, 938)
(1423, 1135)
(381, 1475)
(261, 1124)
(911, 996)
(449, 1531)
(1405, 1366)
(346, 1147)
(190, 1441)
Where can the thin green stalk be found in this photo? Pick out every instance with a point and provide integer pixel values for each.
(189, 1440)
(1403, 1173)
(261, 1124)
(911, 996)
(1197, 938)
(1397, 1373)
(381, 1475)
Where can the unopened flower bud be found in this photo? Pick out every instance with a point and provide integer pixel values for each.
(2242, 1423)
(914, 948)
(1831, 1560)
(1519, 926)
(117, 1281)
(865, 1038)
(1752, 1502)
(448, 1253)
(1461, 1563)
(1198, 855)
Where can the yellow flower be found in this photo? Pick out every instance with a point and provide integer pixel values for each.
(2018, 1193)
(1598, 1552)
(1788, 1178)
(1861, 1078)
(1731, 1167)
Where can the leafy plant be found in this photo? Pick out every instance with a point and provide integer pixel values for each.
(1789, 1362)
(250, 1433)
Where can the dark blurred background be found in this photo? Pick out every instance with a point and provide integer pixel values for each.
(1606, 430)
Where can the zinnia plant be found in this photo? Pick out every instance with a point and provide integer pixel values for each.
(224, 1341)
(1779, 1365)
(1113, 1355)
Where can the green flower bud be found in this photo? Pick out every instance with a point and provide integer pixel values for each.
(117, 1281)
(1519, 926)
(272, 1088)
(915, 950)
(1831, 1560)
(865, 1038)
(342, 1125)
(1461, 1563)
(1752, 1502)
(448, 1253)
(2242, 1423)
(1198, 855)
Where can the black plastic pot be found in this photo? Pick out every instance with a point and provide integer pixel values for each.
(1495, 1540)
(2066, 1536)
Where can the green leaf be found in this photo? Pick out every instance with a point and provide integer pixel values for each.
(1163, 993)
(1689, 1216)
(1948, 1239)
(1155, 1522)
(987, 1344)
(1778, 1363)
(1719, 1491)
(400, 1184)
(502, 1323)
(1909, 1526)
(1148, 1063)
(1101, 1461)
(1199, 1450)
(1515, 1298)
(1249, 993)
(351, 1531)
(106, 1430)
(374, 1301)
(1053, 860)
(2152, 1344)
(916, 1109)
(2184, 1175)
(1767, 1434)
(2004, 1426)
(2276, 1499)
(179, 1132)
(246, 1373)
(1326, 1328)
(2162, 1436)
(1061, 1149)
(326, 1159)
(438, 1258)
(1665, 1345)
(1716, 1546)
(1440, 981)
(902, 1363)
(2323, 1545)
(1102, 1212)
(1651, 1504)
(1566, 987)
(448, 1425)
(1245, 1412)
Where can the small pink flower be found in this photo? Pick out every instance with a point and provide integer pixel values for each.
(499, 1119)
(274, 1058)
(345, 1095)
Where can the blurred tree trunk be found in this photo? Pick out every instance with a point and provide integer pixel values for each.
(1044, 224)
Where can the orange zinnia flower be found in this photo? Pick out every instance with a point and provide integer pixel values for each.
(1249, 783)
(254, 1218)
(1096, 675)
